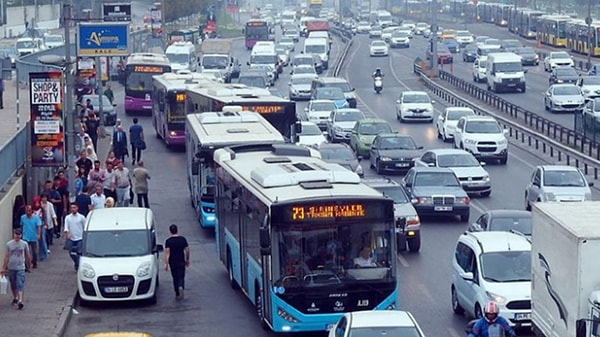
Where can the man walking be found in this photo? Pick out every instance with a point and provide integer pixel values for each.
(136, 137)
(141, 177)
(122, 185)
(177, 257)
(31, 224)
(98, 199)
(109, 181)
(120, 143)
(16, 261)
(74, 224)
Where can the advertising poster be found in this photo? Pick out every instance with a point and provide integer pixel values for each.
(156, 22)
(47, 127)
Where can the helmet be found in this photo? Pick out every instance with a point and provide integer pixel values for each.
(491, 311)
(377, 69)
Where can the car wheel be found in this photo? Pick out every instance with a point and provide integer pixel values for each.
(455, 305)
(546, 105)
(414, 243)
(527, 205)
(504, 160)
(439, 134)
(478, 312)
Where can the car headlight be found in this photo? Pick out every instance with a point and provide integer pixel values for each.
(337, 129)
(363, 139)
(559, 81)
(87, 271)
(549, 196)
(496, 298)
(421, 200)
(486, 179)
(586, 91)
(502, 142)
(144, 269)
(385, 158)
(463, 200)
(470, 141)
(413, 220)
(404, 110)
(522, 79)
(294, 90)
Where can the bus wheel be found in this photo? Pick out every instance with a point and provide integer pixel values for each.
(232, 280)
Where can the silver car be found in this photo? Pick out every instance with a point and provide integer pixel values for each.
(563, 98)
(557, 183)
(592, 107)
(318, 111)
(300, 86)
(341, 122)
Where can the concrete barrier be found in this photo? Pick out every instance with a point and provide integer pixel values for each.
(7, 198)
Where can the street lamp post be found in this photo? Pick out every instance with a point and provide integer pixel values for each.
(588, 21)
(434, 39)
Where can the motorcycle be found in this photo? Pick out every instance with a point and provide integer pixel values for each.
(378, 84)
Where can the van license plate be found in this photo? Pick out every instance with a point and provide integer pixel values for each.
(442, 208)
(112, 290)
(523, 316)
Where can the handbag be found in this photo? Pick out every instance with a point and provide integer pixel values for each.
(130, 195)
(141, 144)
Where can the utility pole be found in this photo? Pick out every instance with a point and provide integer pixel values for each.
(434, 39)
(588, 21)
(69, 113)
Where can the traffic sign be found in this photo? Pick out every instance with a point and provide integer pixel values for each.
(588, 20)
(103, 39)
(116, 11)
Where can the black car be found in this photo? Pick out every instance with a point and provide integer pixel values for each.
(503, 220)
(341, 154)
(436, 191)
(563, 75)
(528, 56)
(469, 53)
(392, 152)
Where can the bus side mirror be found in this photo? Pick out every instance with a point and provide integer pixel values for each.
(580, 328)
(195, 165)
(298, 128)
(265, 241)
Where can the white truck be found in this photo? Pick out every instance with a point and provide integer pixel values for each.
(565, 294)
(216, 54)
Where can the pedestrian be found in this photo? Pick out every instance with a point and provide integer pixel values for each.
(97, 175)
(18, 210)
(84, 202)
(122, 185)
(110, 202)
(31, 226)
(80, 181)
(136, 138)
(1, 93)
(92, 128)
(90, 150)
(74, 224)
(120, 143)
(98, 198)
(53, 194)
(177, 257)
(109, 94)
(109, 181)
(141, 177)
(50, 221)
(40, 212)
(85, 162)
(112, 158)
(17, 260)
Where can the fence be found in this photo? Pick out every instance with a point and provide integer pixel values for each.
(12, 156)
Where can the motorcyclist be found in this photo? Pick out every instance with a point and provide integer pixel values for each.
(491, 323)
(377, 73)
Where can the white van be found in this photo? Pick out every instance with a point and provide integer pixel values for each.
(504, 71)
(318, 46)
(182, 55)
(119, 256)
(322, 34)
(26, 45)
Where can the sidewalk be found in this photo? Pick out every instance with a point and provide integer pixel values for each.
(8, 115)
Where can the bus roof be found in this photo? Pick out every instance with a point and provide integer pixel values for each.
(182, 80)
(285, 172)
(219, 129)
(234, 92)
(148, 58)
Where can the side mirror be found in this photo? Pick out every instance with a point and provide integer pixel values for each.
(525, 71)
(467, 276)
(419, 148)
(354, 132)
(432, 102)
(248, 63)
(195, 165)
(158, 248)
(359, 158)
(306, 109)
(114, 105)
(505, 131)
(398, 101)
(265, 239)
(482, 163)
(590, 184)
(431, 164)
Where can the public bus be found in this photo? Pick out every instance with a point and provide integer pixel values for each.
(185, 35)
(552, 30)
(139, 69)
(168, 104)
(280, 112)
(209, 131)
(577, 37)
(256, 30)
(289, 230)
(525, 23)
(501, 14)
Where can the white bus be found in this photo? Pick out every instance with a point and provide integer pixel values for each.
(209, 131)
(290, 229)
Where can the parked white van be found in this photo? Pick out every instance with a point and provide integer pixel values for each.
(504, 71)
(119, 256)
(318, 46)
(182, 55)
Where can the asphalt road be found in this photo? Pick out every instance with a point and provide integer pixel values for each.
(212, 308)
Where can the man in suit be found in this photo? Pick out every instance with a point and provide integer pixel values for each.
(120, 143)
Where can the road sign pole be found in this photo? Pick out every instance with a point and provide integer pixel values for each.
(69, 113)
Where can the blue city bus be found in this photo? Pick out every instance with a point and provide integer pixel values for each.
(290, 230)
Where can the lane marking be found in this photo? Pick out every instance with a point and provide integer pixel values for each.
(402, 261)
(453, 332)
(426, 292)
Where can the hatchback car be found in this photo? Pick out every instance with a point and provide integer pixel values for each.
(392, 152)
(483, 137)
(300, 86)
(379, 48)
(503, 220)
(310, 135)
(341, 122)
(341, 154)
(473, 177)
(414, 105)
(375, 32)
(400, 39)
(443, 53)
(436, 191)
(376, 323)
(318, 111)
(563, 75)
(492, 266)
(463, 37)
(288, 43)
(363, 27)
(510, 45)
(364, 133)
(452, 45)
(447, 120)
(557, 183)
(563, 98)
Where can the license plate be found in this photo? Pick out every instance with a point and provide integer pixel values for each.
(401, 164)
(111, 290)
(442, 208)
(523, 316)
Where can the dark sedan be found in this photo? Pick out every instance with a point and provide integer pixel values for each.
(528, 56)
(436, 191)
(469, 53)
(391, 152)
(341, 154)
(503, 220)
(563, 75)
(452, 45)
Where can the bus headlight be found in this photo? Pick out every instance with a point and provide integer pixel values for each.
(283, 314)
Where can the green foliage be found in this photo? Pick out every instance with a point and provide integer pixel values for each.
(175, 9)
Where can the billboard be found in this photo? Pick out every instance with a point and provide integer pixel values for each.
(156, 22)
(103, 39)
(46, 123)
(116, 11)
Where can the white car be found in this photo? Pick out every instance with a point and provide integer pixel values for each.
(300, 86)
(379, 48)
(493, 266)
(479, 40)
(479, 66)
(375, 32)
(400, 38)
(563, 98)
(483, 137)
(386, 34)
(311, 135)
(421, 27)
(288, 42)
(557, 59)
(590, 86)
(463, 37)
(496, 43)
(557, 183)
(318, 111)
(414, 105)
(376, 323)
(592, 108)
(363, 27)
(447, 120)
(470, 172)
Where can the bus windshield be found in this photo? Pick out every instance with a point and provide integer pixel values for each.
(257, 32)
(176, 112)
(139, 77)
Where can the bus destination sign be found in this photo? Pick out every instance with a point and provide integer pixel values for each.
(148, 69)
(265, 109)
(327, 212)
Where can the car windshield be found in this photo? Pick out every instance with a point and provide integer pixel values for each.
(493, 42)
(556, 178)
(286, 40)
(400, 33)
(260, 59)
(253, 81)
(521, 224)
(508, 67)
(54, 38)
(309, 129)
(525, 51)
(371, 129)
(301, 80)
(393, 331)
(303, 60)
(348, 116)
(291, 32)
(454, 115)
(341, 153)
(395, 192)
(397, 143)
(462, 33)
(567, 91)
(25, 44)
(457, 160)
(450, 42)
(315, 49)
(178, 58)
(471, 48)
(486, 51)
(322, 106)
(442, 48)
(482, 127)
(511, 44)
(591, 80)
(280, 50)
(565, 72)
(215, 62)
(378, 44)
(432, 179)
(119, 243)
(509, 266)
(416, 98)
(331, 93)
(304, 70)
(560, 55)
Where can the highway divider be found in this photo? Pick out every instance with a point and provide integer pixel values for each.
(539, 133)
(347, 38)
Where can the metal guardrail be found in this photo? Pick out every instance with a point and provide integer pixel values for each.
(348, 39)
(559, 133)
(12, 155)
(541, 137)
